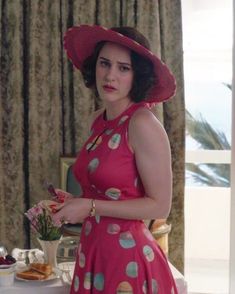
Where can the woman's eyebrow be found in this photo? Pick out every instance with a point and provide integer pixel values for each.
(120, 62)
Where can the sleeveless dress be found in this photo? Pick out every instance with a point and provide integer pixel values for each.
(115, 255)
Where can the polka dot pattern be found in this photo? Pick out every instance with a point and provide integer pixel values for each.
(114, 141)
(148, 253)
(126, 240)
(76, 283)
(108, 131)
(88, 227)
(154, 287)
(97, 218)
(132, 269)
(115, 255)
(93, 164)
(87, 281)
(113, 193)
(124, 288)
(123, 119)
(145, 287)
(113, 229)
(94, 144)
(82, 259)
(99, 282)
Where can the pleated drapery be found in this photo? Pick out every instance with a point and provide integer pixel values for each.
(45, 107)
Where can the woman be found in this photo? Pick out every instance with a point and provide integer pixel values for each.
(124, 168)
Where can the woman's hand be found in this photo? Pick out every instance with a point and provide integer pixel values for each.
(62, 196)
(73, 211)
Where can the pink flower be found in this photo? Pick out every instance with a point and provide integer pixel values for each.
(41, 222)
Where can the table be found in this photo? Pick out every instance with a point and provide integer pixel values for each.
(55, 287)
(58, 287)
(180, 282)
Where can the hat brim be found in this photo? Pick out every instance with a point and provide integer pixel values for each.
(80, 42)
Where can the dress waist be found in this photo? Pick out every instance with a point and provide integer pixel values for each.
(111, 225)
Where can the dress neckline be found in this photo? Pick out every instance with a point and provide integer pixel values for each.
(112, 122)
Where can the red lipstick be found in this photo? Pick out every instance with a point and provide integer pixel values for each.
(109, 88)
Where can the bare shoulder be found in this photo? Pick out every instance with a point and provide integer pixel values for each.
(146, 132)
(144, 119)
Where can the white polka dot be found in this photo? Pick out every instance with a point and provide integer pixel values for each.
(82, 259)
(76, 283)
(99, 282)
(148, 253)
(114, 141)
(87, 281)
(88, 227)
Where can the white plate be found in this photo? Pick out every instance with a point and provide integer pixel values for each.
(56, 274)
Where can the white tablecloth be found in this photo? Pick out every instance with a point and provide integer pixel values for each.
(21, 287)
(179, 280)
(58, 287)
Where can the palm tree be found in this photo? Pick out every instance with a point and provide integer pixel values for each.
(208, 138)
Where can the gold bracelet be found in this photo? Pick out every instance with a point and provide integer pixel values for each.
(92, 211)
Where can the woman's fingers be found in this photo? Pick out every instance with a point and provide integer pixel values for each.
(62, 196)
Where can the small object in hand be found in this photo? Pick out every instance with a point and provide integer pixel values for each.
(58, 197)
(50, 188)
(53, 208)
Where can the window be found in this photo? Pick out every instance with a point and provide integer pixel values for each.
(207, 42)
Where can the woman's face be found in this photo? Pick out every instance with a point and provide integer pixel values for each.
(114, 73)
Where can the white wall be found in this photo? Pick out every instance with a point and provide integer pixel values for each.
(207, 218)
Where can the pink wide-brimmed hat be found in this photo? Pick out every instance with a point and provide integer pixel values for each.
(80, 42)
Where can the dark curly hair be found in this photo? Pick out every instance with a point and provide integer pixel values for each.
(144, 77)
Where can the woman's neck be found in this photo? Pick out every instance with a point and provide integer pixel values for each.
(114, 109)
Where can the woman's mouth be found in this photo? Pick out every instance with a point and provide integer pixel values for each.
(109, 88)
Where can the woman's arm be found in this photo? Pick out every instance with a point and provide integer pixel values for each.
(151, 147)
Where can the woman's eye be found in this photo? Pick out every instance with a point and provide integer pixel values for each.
(124, 68)
(104, 63)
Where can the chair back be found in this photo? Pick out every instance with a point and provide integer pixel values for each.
(68, 181)
(69, 184)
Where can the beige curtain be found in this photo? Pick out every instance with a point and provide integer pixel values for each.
(174, 122)
(44, 106)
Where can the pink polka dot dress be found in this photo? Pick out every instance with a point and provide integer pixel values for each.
(115, 255)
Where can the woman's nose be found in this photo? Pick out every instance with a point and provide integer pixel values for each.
(110, 74)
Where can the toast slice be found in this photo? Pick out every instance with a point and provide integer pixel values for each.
(42, 268)
(31, 275)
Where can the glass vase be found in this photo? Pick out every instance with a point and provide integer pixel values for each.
(49, 249)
